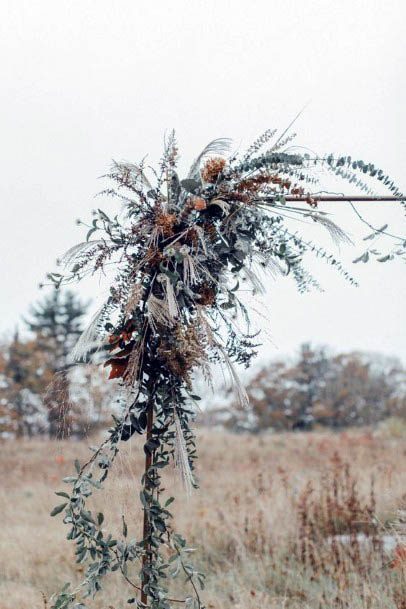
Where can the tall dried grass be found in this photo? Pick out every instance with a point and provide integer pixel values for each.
(281, 521)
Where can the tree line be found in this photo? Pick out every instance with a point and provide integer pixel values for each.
(319, 389)
(40, 394)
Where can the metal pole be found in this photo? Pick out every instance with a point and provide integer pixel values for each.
(146, 527)
(334, 198)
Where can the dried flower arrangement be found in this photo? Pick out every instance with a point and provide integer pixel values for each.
(180, 250)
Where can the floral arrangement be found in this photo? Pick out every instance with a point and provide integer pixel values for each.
(181, 248)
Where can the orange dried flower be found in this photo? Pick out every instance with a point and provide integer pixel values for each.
(212, 168)
(166, 223)
(199, 204)
(192, 203)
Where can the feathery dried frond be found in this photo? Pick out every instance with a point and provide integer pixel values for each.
(181, 456)
(238, 387)
(80, 248)
(337, 234)
(89, 341)
(131, 374)
(254, 280)
(190, 273)
(134, 298)
(138, 171)
(129, 175)
(170, 297)
(267, 264)
(158, 312)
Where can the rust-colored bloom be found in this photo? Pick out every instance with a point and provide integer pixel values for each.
(199, 204)
(212, 169)
(166, 222)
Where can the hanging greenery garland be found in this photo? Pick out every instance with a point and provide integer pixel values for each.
(180, 249)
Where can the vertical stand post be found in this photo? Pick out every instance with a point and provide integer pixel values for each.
(148, 462)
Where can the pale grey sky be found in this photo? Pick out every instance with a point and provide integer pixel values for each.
(87, 81)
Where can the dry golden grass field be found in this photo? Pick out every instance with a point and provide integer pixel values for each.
(292, 521)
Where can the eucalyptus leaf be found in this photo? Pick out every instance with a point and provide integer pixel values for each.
(58, 509)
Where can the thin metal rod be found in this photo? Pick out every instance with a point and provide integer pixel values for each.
(332, 198)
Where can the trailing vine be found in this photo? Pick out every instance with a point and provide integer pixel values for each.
(180, 250)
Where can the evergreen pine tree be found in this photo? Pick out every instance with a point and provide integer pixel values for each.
(56, 322)
(308, 376)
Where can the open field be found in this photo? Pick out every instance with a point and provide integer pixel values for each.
(288, 521)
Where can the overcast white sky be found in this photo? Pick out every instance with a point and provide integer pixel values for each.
(87, 81)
